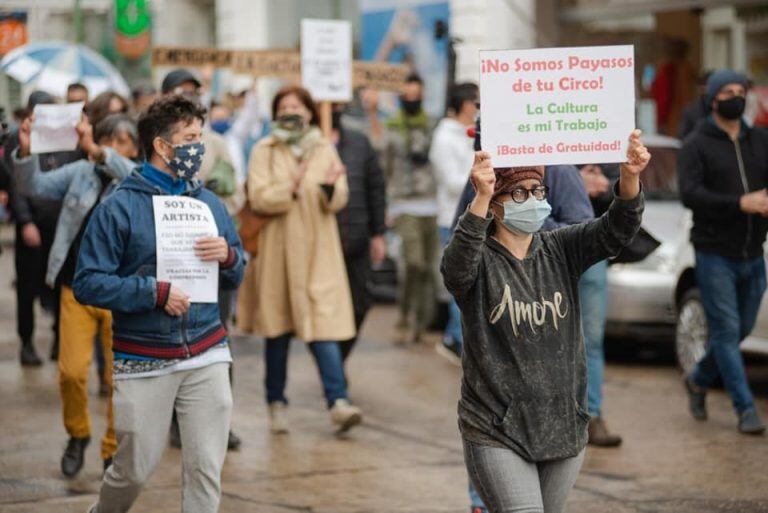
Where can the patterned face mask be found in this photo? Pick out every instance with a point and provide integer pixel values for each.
(189, 157)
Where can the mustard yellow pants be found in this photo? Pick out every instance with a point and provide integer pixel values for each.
(78, 327)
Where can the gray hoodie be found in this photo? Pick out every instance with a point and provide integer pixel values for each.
(524, 384)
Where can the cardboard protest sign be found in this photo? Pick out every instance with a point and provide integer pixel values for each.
(54, 127)
(192, 57)
(285, 64)
(326, 59)
(279, 63)
(557, 105)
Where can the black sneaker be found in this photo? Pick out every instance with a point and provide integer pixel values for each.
(29, 357)
(750, 423)
(74, 456)
(697, 399)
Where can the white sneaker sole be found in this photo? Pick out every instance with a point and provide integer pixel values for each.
(352, 421)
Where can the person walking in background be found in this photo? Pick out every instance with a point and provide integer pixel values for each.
(362, 222)
(81, 185)
(171, 354)
(299, 283)
(723, 173)
(77, 92)
(217, 173)
(571, 205)
(403, 144)
(530, 458)
(36, 221)
(451, 156)
(142, 96)
(105, 104)
(696, 110)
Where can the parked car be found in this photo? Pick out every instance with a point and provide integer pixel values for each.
(656, 298)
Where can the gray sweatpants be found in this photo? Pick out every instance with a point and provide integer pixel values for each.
(509, 484)
(143, 408)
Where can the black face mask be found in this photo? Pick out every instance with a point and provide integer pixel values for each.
(732, 108)
(411, 107)
(290, 122)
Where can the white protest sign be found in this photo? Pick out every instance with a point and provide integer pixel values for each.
(179, 222)
(326, 59)
(557, 105)
(54, 127)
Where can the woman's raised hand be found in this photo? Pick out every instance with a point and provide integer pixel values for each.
(483, 177)
(637, 155)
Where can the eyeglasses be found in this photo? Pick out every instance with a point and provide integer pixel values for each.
(521, 194)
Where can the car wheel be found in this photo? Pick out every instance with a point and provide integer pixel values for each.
(691, 334)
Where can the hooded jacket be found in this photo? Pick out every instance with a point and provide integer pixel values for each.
(714, 172)
(116, 270)
(525, 380)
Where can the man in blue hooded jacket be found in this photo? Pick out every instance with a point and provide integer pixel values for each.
(169, 352)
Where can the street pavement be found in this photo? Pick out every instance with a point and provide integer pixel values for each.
(406, 457)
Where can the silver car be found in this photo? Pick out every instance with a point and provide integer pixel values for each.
(657, 297)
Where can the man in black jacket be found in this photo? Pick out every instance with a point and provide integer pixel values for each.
(723, 179)
(362, 222)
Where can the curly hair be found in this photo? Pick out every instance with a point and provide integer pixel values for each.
(163, 117)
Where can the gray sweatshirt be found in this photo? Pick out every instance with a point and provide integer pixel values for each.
(525, 381)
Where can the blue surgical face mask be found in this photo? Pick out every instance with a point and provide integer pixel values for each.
(527, 217)
(189, 157)
(221, 126)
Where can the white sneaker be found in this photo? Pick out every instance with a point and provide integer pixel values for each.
(345, 416)
(278, 423)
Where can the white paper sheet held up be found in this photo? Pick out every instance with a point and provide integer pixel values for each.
(54, 127)
(179, 222)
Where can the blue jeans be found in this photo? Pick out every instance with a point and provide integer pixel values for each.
(453, 334)
(327, 356)
(593, 295)
(731, 291)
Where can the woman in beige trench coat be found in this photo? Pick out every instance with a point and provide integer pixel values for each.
(297, 285)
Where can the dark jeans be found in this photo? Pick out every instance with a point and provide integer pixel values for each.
(327, 356)
(31, 265)
(731, 291)
(358, 271)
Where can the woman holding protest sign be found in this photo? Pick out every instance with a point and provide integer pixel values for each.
(522, 411)
(298, 284)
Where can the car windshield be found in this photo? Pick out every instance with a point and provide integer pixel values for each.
(660, 177)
